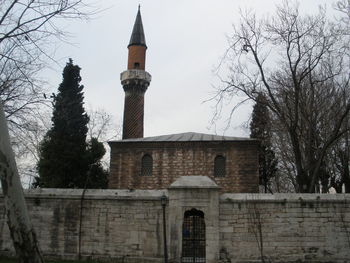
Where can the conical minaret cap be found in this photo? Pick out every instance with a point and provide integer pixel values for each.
(138, 36)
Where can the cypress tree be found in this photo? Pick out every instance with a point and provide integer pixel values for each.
(63, 152)
(97, 176)
(260, 128)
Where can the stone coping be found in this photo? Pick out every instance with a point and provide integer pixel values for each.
(285, 197)
(103, 194)
(194, 181)
(126, 194)
(135, 74)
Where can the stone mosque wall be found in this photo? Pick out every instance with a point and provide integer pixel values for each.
(127, 225)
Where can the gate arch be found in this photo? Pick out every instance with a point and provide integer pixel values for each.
(193, 237)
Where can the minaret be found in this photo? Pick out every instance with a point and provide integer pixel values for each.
(135, 81)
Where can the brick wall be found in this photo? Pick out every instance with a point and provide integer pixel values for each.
(133, 113)
(137, 54)
(173, 159)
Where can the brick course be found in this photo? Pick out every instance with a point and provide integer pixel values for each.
(133, 115)
(137, 54)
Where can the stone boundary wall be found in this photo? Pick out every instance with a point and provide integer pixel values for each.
(285, 227)
(127, 226)
(120, 224)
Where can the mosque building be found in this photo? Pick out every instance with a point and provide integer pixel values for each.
(182, 198)
(139, 162)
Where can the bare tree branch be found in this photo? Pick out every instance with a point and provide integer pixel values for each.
(301, 64)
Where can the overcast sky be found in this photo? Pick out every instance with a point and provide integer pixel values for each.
(185, 40)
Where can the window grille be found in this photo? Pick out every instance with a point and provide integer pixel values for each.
(146, 165)
(220, 166)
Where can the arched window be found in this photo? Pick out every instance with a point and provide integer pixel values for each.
(146, 165)
(219, 166)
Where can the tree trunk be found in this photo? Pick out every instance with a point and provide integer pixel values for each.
(301, 177)
(346, 173)
(346, 161)
(21, 229)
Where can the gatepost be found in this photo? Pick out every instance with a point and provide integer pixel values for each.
(200, 193)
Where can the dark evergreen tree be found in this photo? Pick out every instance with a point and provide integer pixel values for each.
(66, 159)
(97, 175)
(260, 128)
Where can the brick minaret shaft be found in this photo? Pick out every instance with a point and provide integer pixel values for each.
(135, 81)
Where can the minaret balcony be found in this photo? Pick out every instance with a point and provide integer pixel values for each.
(135, 74)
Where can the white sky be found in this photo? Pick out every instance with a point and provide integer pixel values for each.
(185, 40)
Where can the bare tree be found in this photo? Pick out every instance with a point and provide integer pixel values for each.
(26, 145)
(28, 33)
(21, 229)
(285, 179)
(338, 163)
(301, 64)
(20, 91)
(101, 125)
(27, 29)
(22, 94)
(103, 128)
(344, 7)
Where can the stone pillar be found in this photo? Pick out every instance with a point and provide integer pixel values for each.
(201, 193)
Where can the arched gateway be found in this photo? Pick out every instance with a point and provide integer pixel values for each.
(193, 237)
(193, 233)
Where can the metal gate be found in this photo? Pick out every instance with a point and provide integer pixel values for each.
(193, 237)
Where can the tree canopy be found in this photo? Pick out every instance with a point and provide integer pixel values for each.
(66, 159)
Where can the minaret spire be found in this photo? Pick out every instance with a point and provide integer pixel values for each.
(138, 36)
(135, 81)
